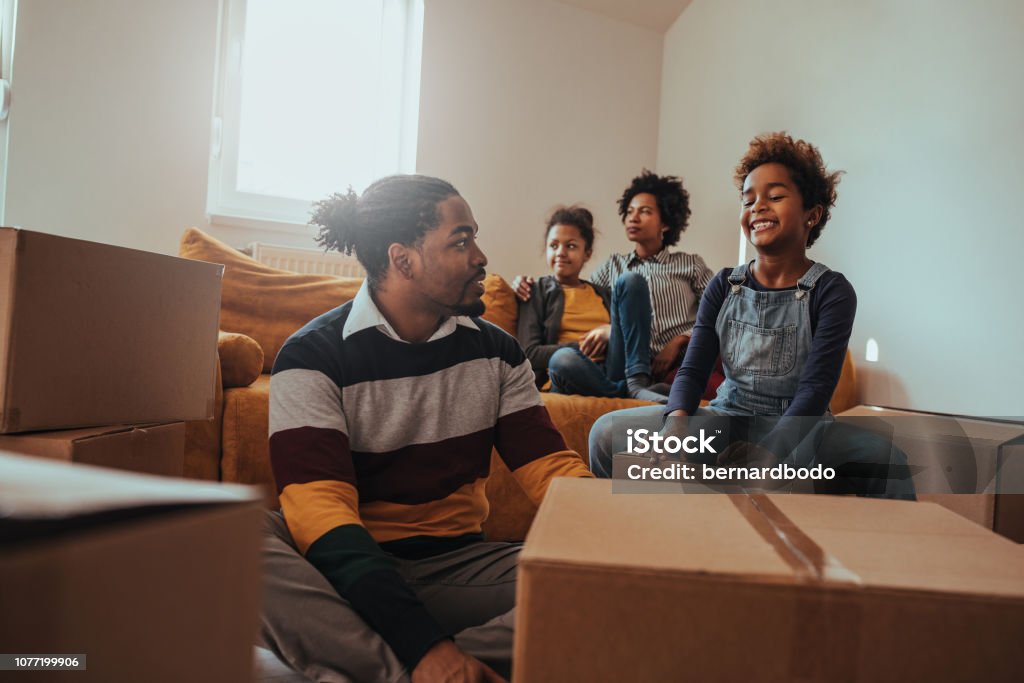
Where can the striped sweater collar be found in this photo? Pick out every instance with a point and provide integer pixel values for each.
(365, 314)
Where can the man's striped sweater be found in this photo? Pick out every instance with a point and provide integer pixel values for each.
(382, 447)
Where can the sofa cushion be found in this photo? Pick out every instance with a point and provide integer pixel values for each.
(246, 456)
(512, 511)
(500, 300)
(265, 303)
(246, 451)
(241, 359)
(268, 304)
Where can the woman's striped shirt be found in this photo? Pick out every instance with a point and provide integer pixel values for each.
(677, 281)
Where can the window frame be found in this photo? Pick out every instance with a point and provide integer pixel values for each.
(8, 19)
(228, 206)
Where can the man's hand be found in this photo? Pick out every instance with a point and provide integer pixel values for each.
(521, 284)
(668, 355)
(594, 343)
(446, 663)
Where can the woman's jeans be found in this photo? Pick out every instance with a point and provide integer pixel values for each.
(629, 347)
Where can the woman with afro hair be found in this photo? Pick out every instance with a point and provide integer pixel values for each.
(781, 324)
(655, 295)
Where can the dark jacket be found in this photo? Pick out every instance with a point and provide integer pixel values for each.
(540, 322)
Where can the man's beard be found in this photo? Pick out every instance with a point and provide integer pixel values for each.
(473, 310)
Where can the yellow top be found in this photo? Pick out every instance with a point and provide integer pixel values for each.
(584, 311)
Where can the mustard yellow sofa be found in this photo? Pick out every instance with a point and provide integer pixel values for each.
(261, 307)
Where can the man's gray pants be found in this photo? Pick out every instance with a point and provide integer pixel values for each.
(471, 593)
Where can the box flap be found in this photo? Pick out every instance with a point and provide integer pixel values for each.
(33, 488)
(837, 540)
(694, 533)
(83, 434)
(909, 546)
(154, 448)
(927, 425)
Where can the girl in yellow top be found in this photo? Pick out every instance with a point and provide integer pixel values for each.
(566, 321)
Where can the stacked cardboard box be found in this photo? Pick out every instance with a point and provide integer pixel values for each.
(98, 336)
(104, 353)
(713, 587)
(964, 464)
(1009, 512)
(154, 449)
(143, 578)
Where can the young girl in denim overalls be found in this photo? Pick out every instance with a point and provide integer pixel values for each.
(781, 324)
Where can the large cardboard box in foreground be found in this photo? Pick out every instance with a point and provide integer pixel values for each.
(712, 587)
(150, 578)
(92, 334)
(149, 449)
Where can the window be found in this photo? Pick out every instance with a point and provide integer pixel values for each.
(312, 96)
(7, 13)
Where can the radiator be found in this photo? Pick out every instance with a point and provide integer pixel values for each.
(299, 260)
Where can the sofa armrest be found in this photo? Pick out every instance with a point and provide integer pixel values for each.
(241, 359)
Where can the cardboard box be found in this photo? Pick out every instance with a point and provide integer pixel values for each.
(152, 579)
(92, 334)
(1009, 507)
(956, 459)
(664, 587)
(149, 449)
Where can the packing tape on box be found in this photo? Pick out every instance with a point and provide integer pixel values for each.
(808, 559)
(828, 623)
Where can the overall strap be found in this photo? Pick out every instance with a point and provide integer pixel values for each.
(810, 279)
(738, 276)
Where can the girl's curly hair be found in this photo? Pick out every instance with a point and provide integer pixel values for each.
(817, 185)
(673, 201)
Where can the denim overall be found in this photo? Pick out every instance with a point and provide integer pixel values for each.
(765, 338)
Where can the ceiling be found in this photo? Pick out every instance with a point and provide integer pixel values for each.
(653, 14)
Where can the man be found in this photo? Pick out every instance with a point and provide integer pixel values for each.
(383, 413)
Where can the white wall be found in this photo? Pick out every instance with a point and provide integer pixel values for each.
(527, 104)
(524, 105)
(110, 119)
(920, 102)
